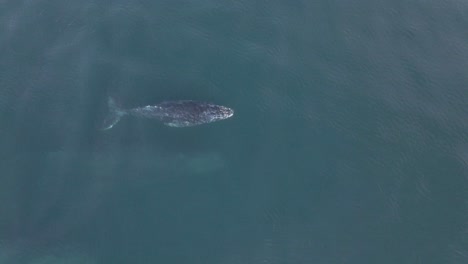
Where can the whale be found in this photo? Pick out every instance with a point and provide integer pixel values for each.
(179, 113)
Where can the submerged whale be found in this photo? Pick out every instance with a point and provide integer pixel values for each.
(183, 113)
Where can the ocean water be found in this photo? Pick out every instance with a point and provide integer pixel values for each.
(348, 143)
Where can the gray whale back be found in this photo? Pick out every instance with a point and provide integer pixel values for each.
(182, 113)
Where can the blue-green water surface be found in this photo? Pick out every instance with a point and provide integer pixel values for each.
(348, 143)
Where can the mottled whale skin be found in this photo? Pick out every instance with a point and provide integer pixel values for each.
(183, 113)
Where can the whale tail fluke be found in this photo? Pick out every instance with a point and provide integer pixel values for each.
(114, 114)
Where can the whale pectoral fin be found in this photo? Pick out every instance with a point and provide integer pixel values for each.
(178, 124)
(171, 124)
